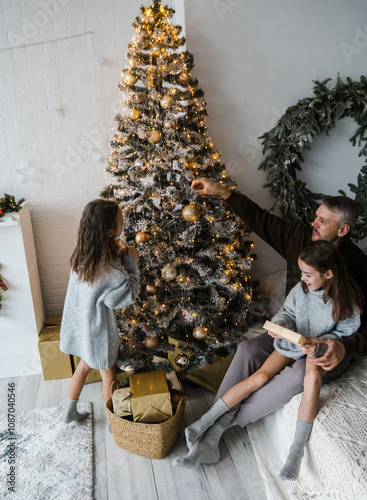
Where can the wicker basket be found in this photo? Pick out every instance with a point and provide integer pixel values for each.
(149, 440)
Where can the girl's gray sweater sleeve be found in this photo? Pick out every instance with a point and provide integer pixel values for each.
(124, 283)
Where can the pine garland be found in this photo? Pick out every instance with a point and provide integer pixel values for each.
(295, 131)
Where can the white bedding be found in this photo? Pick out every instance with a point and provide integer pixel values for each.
(335, 462)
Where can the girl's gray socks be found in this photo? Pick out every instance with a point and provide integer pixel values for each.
(72, 414)
(292, 465)
(195, 430)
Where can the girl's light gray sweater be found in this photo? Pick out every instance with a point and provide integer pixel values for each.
(307, 314)
(88, 328)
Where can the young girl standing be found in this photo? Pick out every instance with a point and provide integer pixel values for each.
(325, 304)
(104, 276)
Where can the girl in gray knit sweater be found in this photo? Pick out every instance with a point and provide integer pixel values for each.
(325, 304)
(104, 277)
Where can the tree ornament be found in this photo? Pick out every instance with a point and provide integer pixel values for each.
(167, 101)
(134, 114)
(151, 342)
(130, 78)
(140, 163)
(200, 332)
(142, 237)
(113, 159)
(155, 136)
(151, 289)
(169, 272)
(167, 204)
(182, 360)
(158, 48)
(222, 276)
(144, 33)
(191, 213)
(295, 133)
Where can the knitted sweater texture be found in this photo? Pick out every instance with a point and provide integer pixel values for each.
(307, 314)
(89, 328)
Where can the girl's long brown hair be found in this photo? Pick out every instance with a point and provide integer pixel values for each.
(341, 288)
(95, 248)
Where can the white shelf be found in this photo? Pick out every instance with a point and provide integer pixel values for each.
(21, 315)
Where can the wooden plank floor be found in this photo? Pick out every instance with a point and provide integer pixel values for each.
(121, 474)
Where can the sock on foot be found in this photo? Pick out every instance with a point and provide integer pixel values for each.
(195, 430)
(204, 451)
(72, 414)
(292, 466)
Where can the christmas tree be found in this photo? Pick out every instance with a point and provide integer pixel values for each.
(195, 256)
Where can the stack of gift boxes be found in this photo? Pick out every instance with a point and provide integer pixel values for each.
(148, 398)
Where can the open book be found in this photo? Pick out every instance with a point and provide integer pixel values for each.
(285, 333)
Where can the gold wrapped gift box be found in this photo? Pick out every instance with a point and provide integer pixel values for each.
(150, 397)
(55, 364)
(210, 376)
(121, 402)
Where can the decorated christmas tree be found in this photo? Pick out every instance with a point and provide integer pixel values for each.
(197, 294)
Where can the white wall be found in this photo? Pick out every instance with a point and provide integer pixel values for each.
(253, 59)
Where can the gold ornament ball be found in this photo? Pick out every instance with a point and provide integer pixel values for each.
(151, 289)
(113, 159)
(142, 237)
(134, 114)
(151, 342)
(144, 33)
(140, 163)
(182, 360)
(191, 213)
(169, 272)
(155, 136)
(167, 101)
(158, 48)
(222, 277)
(130, 78)
(200, 332)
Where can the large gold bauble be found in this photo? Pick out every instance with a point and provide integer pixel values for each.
(222, 276)
(151, 342)
(167, 101)
(182, 360)
(142, 237)
(130, 78)
(113, 159)
(155, 136)
(191, 213)
(169, 272)
(158, 48)
(151, 289)
(134, 114)
(200, 332)
(140, 163)
(144, 33)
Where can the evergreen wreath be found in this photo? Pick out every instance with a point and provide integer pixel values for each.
(295, 131)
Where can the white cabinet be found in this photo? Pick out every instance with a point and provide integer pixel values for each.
(21, 316)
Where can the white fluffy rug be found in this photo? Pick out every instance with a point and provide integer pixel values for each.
(47, 459)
